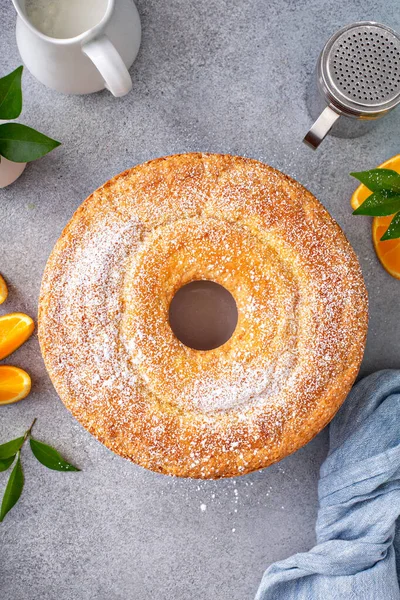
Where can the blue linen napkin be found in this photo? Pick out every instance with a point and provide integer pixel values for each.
(359, 502)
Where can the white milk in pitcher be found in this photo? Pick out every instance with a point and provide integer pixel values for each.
(65, 18)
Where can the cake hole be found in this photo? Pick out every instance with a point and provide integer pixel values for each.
(203, 315)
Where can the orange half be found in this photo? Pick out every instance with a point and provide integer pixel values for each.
(388, 251)
(15, 384)
(3, 290)
(15, 329)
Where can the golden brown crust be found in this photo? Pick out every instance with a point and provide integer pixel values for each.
(103, 317)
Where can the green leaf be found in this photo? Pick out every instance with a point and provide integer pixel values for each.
(49, 457)
(377, 180)
(11, 448)
(5, 463)
(379, 204)
(393, 231)
(13, 489)
(23, 144)
(11, 95)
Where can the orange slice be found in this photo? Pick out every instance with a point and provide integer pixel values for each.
(15, 329)
(362, 192)
(388, 251)
(15, 384)
(3, 290)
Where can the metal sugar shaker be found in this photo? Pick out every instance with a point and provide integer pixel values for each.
(357, 81)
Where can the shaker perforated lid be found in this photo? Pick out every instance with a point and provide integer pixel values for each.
(359, 69)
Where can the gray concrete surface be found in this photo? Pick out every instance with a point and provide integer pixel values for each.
(218, 75)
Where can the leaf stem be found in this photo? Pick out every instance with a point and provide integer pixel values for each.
(28, 431)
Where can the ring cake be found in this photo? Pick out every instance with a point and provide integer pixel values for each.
(111, 353)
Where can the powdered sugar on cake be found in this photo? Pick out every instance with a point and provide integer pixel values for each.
(104, 325)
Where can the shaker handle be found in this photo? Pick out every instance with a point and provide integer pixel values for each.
(109, 64)
(321, 127)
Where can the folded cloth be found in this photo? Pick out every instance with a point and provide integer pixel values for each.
(359, 502)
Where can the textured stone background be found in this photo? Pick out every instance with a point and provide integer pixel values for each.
(217, 75)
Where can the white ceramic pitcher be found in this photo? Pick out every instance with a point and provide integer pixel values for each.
(96, 59)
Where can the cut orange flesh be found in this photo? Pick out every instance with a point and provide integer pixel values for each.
(3, 290)
(388, 251)
(15, 329)
(15, 384)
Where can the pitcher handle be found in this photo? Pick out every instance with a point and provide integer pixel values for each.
(109, 64)
(321, 127)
